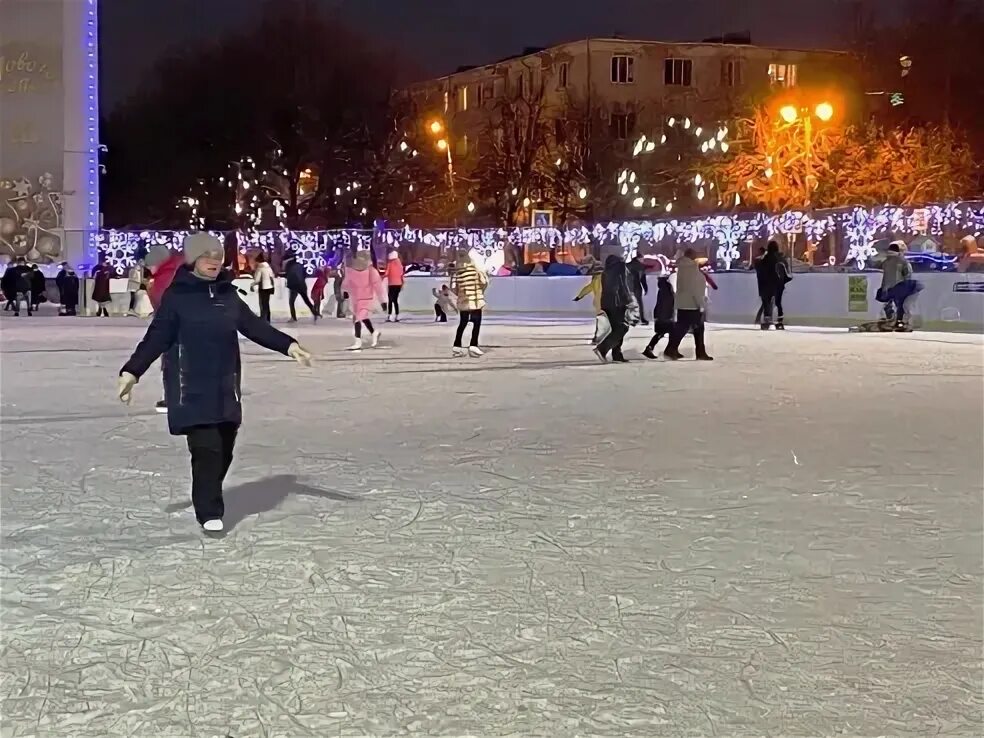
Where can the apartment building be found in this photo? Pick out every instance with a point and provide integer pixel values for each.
(633, 86)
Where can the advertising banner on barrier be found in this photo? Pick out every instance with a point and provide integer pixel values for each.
(857, 294)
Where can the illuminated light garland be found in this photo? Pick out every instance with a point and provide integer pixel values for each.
(91, 33)
(859, 227)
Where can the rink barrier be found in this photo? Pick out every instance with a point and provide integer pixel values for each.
(948, 301)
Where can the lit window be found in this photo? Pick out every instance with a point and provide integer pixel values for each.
(463, 146)
(623, 72)
(463, 98)
(563, 74)
(731, 73)
(782, 75)
(678, 72)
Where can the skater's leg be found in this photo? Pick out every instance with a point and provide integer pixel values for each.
(358, 329)
(290, 301)
(228, 433)
(208, 467)
(133, 303)
(463, 319)
(698, 328)
(393, 295)
(779, 313)
(476, 321)
(307, 302)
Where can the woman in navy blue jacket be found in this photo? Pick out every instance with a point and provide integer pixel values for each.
(197, 327)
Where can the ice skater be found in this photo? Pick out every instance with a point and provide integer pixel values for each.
(134, 282)
(197, 326)
(468, 284)
(593, 288)
(16, 283)
(163, 265)
(615, 301)
(639, 285)
(265, 283)
(68, 290)
(100, 290)
(769, 283)
(297, 287)
(897, 286)
(394, 286)
(365, 289)
(691, 299)
(39, 286)
(662, 314)
(318, 288)
(443, 303)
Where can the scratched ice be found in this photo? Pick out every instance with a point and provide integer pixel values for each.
(784, 542)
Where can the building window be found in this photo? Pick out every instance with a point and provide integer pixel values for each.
(463, 98)
(485, 93)
(731, 73)
(445, 101)
(562, 75)
(678, 72)
(623, 72)
(782, 75)
(622, 125)
(462, 146)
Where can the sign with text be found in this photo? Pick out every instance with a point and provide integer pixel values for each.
(857, 294)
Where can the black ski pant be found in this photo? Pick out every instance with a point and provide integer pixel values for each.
(687, 320)
(468, 316)
(211, 448)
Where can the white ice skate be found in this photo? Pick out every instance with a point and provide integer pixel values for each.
(457, 352)
(374, 341)
(475, 352)
(356, 346)
(213, 526)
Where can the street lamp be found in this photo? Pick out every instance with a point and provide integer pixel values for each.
(823, 112)
(436, 127)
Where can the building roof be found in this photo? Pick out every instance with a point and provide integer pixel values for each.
(532, 52)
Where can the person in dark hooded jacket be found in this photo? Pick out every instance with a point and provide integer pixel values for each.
(16, 285)
(767, 275)
(297, 285)
(39, 286)
(615, 299)
(639, 285)
(663, 314)
(197, 326)
(68, 288)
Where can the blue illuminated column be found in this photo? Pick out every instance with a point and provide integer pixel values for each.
(80, 69)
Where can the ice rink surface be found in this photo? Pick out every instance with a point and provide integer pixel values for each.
(787, 541)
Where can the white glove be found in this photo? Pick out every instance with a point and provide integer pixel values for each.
(124, 387)
(299, 354)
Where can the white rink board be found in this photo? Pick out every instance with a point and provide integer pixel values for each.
(786, 541)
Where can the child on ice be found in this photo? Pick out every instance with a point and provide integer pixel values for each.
(662, 314)
(443, 303)
(365, 289)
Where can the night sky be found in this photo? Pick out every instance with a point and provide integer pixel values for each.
(439, 35)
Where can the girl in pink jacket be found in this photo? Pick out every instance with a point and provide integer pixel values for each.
(365, 289)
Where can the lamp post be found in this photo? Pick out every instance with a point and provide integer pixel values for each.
(436, 128)
(823, 112)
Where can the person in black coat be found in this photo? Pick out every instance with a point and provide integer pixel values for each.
(663, 314)
(640, 287)
(60, 280)
(16, 285)
(39, 286)
(297, 285)
(615, 299)
(68, 290)
(767, 275)
(197, 326)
